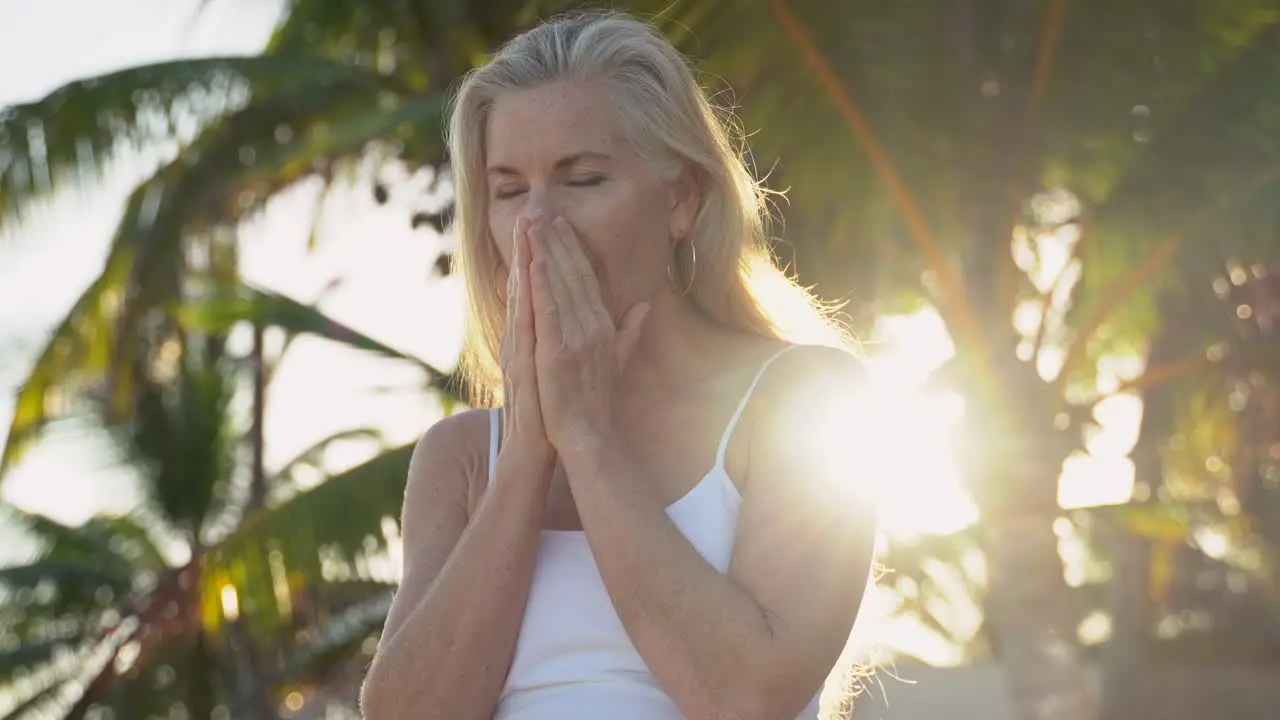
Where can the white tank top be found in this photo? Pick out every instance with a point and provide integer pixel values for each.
(573, 658)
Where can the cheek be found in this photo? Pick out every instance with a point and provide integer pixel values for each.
(605, 235)
(625, 244)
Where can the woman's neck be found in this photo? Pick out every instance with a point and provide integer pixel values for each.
(675, 345)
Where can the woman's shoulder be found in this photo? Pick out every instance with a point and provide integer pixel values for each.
(782, 363)
(806, 374)
(460, 430)
(454, 449)
(794, 385)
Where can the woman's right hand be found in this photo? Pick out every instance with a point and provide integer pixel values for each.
(524, 437)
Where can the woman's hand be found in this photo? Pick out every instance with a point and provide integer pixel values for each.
(523, 431)
(579, 351)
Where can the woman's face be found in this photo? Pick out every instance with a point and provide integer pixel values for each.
(559, 149)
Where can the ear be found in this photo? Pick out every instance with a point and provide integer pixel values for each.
(685, 196)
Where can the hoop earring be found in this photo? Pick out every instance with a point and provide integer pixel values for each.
(693, 266)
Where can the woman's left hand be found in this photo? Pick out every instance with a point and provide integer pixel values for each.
(579, 351)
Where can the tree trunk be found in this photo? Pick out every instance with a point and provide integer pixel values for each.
(1033, 613)
(1014, 465)
(1126, 657)
(1036, 620)
(258, 479)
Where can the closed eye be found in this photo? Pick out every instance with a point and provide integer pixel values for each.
(587, 181)
(590, 181)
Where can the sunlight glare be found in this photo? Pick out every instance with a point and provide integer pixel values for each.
(1089, 481)
(230, 602)
(920, 489)
(896, 435)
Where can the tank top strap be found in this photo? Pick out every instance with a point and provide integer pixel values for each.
(495, 433)
(742, 405)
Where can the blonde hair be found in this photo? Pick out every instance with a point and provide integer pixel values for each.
(671, 123)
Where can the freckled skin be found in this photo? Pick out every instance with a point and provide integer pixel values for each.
(620, 209)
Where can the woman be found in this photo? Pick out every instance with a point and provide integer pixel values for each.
(570, 555)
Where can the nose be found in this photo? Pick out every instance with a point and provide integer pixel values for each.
(538, 207)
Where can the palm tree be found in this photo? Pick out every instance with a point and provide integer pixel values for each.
(943, 155)
(944, 152)
(244, 128)
(105, 616)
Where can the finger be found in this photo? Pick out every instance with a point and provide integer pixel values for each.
(551, 254)
(629, 331)
(546, 316)
(524, 331)
(509, 299)
(584, 288)
(589, 311)
(574, 257)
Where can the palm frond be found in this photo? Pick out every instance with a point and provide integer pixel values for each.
(319, 25)
(179, 669)
(74, 360)
(110, 544)
(142, 658)
(67, 577)
(87, 348)
(224, 175)
(51, 677)
(425, 44)
(936, 92)
(181, 438)
(1111, 102)
(269, 146)
(338, 638)
(1208, 178)
(30, 700)
(246, 304)
(70, 135)
(383, 35)
(124, 536)
(34, 655)
(887, 76)
(232, 169)
(46, 529)
(312, 456)
(56, 606)
(78, 673)
(281, 556)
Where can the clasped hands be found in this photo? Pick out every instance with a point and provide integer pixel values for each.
(562, 352)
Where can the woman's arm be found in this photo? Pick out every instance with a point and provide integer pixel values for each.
(759, 642)
(452, 627)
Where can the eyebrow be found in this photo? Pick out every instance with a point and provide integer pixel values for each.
(564, 162)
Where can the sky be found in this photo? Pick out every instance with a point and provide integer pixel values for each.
(385, 291)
